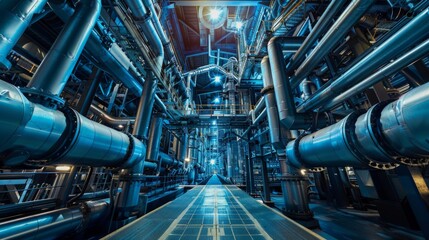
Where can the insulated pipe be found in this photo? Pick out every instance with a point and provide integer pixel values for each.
(167, 160)
(54, 71)
(322, 24)
(396, 132)
(282, 89)
(154, 139)
(408, 58)
(141, 15)
(337, 32)
(56, 223)
(182, 148)
(413, 33)
(278, 134)
(47, 136)
(144, 112)
(16, 17)
(104, 57)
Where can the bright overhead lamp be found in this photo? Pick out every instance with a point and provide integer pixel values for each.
(217, 100)
(239, 24)
(214, 122)
(215, 13)
(212, 162)
(217, 79)
(187, 159)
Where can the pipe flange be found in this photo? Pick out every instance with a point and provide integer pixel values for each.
(414, 162)
(46, 99)
(351, 139)
(383, 165)
(267, 89)
(396, 156)
(296, 148)
(316, 169)
(66, 140)
(130, 149)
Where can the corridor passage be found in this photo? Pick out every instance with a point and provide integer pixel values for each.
(213, 211)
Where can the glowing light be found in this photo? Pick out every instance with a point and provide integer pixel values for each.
(212, 162)
(215, 13)
(303, 171)
(217, 79)
(214, 122)
(187, 159)
(120, 126)
(216, 100)
(63, 168)
(239, 24)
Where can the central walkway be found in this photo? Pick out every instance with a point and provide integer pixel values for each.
(213, 212)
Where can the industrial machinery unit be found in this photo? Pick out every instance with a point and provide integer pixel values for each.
(110, 109)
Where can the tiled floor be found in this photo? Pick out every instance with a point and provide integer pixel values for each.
(213, 212)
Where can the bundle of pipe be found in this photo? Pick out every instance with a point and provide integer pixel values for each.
(47, 136)
(15, 18)
(416, 31)
(55, 224)
(105, 57)
(337, 32)
(386, 134)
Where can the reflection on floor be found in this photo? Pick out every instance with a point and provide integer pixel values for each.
(214, 211)
(353, 224)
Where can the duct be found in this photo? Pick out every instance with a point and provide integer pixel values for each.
(16, 17)
(282, 89)
(48, 136)
(210, 67)
(278, 135)
(56, 223)
(66, 50)
(322, 24)
(141, 15)
(104, 57)
(386, 133)
(415, 31)
(154, 139)
(416, 53)
(110, 120)
(338, 30)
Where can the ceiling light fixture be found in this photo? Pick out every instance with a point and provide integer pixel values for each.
(215, 13)
(239, 25)
(217, 79)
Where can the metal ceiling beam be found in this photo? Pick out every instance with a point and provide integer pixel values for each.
(188, 3)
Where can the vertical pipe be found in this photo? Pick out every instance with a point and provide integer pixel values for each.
(144, 111)
(89, 91)
(154, 139)
(15, 18)
(55, 69)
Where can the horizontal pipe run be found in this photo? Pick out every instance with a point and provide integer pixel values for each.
(415, 54)
(416, 31)
(48, 136)
(16, 16)
(55, 223)
(387, 134)
(110, 120)
(337, 32)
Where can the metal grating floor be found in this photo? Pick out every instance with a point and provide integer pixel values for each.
(213, 212)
